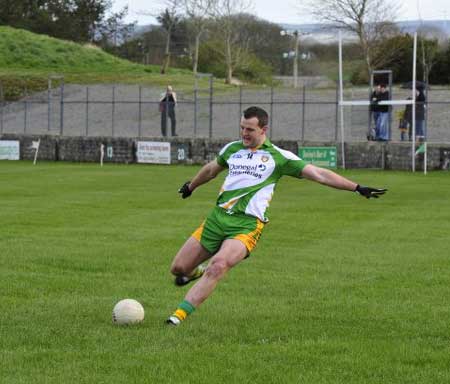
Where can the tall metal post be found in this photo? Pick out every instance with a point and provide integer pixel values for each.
(61, 112)
(336, 120)
(413, 95)
(113, 109)
(297, 43)
(240, 110)
(140, 113)
(303, 112)
(341, 99)
(271, 113)
(210, 105)
(195, 105)
(25, 112)
(2, 101)
(49, 105)
(87, 111)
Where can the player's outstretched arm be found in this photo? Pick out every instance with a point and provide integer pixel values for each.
(206, 173)
(331, 179)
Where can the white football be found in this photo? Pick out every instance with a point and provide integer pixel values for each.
(128, 311)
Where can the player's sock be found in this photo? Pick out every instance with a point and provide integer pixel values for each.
(184, 309)
(183, 280)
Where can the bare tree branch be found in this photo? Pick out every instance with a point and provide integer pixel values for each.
(225, 13)
(198, 13)
(369, 20)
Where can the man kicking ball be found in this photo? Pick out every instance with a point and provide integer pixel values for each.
(234, 226)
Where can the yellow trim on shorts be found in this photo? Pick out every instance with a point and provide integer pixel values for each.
(250, 239)
(198, 232)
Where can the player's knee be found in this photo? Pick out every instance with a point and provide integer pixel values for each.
(178, 269)
(217, 268)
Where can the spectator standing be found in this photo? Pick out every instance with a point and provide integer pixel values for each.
(420, 116)
(402, 124)
(380, 112)
(167, 105)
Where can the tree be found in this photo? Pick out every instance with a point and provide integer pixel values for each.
(441, 71)
(370, 20)
(225, 13)
(169, 19)
(75, 20)
(197, 12)
(114, 31)
(401, 63)
(429, 38)
(264, 39)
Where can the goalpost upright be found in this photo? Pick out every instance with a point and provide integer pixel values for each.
(343, 103)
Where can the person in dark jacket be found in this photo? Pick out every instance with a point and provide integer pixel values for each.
(380, 112)
(420, 116)
(167, 105)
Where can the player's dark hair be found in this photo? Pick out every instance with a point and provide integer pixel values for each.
(259, 113)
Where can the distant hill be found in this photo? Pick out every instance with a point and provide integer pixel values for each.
(326, 33)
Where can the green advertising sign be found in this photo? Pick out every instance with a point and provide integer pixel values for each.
(320, 156)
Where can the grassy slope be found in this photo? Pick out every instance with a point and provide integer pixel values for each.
(27, 59)
(340, 289)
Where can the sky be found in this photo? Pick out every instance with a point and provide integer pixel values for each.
(289, 11)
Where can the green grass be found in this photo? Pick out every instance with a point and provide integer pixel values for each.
(339, 290)
(27, 59)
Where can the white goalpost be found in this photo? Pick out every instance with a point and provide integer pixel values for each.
(344, 103)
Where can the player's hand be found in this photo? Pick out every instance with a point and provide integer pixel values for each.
(369, 192)
(184, 190)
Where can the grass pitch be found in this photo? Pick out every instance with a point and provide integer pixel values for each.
(339, 290)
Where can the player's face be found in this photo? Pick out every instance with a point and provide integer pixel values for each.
(252, 134)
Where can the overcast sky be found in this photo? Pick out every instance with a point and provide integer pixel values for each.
(289, 11)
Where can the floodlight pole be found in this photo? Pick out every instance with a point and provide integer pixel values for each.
(413, 96)
(297, 43)
(341, 99)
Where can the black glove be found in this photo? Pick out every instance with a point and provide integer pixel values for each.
(184, 190)
(369, 192)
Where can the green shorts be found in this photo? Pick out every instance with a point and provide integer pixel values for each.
(220, 225)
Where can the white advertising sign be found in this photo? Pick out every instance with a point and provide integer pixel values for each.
(9, 150)
(153, 152)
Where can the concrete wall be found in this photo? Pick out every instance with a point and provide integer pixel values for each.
(394, 156)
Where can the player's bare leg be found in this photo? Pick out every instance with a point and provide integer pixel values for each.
(231, 253)
(186, 265)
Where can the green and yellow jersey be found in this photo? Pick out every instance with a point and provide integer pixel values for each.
(253, 175)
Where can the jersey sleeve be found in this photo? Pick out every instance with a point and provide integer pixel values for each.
(221, 161)
(294, 167)
(225, 153)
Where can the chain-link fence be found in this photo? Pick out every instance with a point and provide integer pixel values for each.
(305, 113)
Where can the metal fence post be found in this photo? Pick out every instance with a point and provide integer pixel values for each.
(49, 106)
(210, 105)
(303, 112)
(61, 112)
(195, 107)
(336, 125)
(25, 111)
(271, 113)
(113, 109)
(240, 110)
(2, 101)
(87, 111)
(140, 113)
